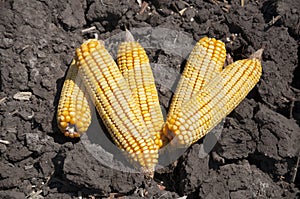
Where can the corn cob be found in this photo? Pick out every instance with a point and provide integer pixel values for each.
(205, 61)
(135, 67)
(219, 97)
(74, 112)
(115, 103)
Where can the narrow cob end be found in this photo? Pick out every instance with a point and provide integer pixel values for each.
(68, 127)
(71, 131)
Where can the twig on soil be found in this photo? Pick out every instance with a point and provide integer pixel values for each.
(4, 142)
(105, 4)
(14, 112)
(90, 30)
(242, 3)
(183, 197)
(34, 195)
(273, 21)
(217, 158)
(214, 2)
(175, 7)
(31, 116)
(271, 106)
(24, 48)
(226, 8)
(22, 96)
(143, 7)
(2, 100)
(139, 2)
(291, 108)
(186, 3)
(292, 105)
(295, 169)
(27, 167)
(182, 11)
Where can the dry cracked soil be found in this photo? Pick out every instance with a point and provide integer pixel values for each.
(257, 155)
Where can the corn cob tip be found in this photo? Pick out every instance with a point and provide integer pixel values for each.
(90, 43)
(70, 131)
(129, 37)
(257, 54)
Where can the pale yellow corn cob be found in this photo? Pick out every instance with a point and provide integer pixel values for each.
(206, 59)
(115, 103)
(218, 98)
(135, 67)
(74, 112)
(205, 62)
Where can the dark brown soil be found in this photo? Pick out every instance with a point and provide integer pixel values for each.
(259, 146)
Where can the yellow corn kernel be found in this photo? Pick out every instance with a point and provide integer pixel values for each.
(217, 99)
(115, 103)
(74, 112)
(205, 61)
(135, 67)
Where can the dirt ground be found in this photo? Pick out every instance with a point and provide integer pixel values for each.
(257, 154)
